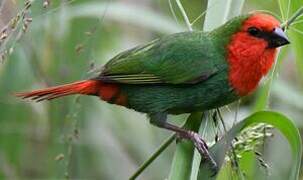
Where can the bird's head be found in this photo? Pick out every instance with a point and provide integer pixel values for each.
(264, 28)
(251, 50)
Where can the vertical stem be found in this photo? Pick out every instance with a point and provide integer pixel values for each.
(292, 19)
(184, 155)
(188, 24)
(162, 147)
(235, 8)
(172, 11)
(217, 13)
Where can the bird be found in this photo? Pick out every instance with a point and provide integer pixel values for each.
(185, 72)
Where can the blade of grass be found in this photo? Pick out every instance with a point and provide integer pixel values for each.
(188, 24)
(292, 19)
(279, 121)
(161, 148)
(171, 8)
(296, 39)
(235, 8)
(214, 19)
(123, 12)
(184, 154)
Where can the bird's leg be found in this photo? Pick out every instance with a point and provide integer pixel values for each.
(159, 120)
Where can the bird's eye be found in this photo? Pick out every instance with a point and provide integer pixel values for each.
(254, 31)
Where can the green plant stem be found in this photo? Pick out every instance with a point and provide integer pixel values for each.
(234, 157)
(292, 19)
(170, 139)
(188, 24)
(182, 164)
(172, 11)
(161, 148)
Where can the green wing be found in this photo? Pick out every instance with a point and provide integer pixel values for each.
(187, 57)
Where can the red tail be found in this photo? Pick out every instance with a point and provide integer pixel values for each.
(89, 87)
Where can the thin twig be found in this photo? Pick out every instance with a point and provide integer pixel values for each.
(15, 28)
(292, 19)
(74, 112)
(200, 16)
(221, 119)
(184, 15)
(204, 12)
(172, 11)
(288, 9)
(161, 148)
(206, 124)
(14, 31)
(235, 159)
(281, 9)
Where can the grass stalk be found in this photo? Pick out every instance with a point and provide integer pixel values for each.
(185, 17)
(293, 18)
(161, 148)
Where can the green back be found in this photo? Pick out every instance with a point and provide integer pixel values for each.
(187, 57)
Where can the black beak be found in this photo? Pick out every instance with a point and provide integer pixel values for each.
(277, 38)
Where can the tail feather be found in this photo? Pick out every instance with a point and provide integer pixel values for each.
(88, 87)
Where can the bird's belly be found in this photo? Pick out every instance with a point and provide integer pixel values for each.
(175, 99)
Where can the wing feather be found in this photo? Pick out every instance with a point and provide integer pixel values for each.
(181, 58)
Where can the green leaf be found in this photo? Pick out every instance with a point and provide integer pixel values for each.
(185, 160)
(183, 157)
(123, 12)
(296, 38)
(279, 121)
(228, 9)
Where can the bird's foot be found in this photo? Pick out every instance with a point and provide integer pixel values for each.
(189, 135)
(201, 146)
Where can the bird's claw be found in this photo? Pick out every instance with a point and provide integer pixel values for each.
(201, 147)
(203, 150)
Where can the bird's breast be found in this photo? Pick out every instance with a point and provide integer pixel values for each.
(249, 60)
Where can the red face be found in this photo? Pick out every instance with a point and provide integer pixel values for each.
(252, 51)
(264, 27)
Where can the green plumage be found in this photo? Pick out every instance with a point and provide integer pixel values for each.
(183, 73)
(179, 73)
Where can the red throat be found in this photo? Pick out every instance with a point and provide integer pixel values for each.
(248, 57)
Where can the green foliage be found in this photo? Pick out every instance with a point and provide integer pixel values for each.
(83, 138)
(219, 150)
(183, 158)
(277, 120)
(295, 30)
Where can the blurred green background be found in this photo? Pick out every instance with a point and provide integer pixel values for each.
(82, 137)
